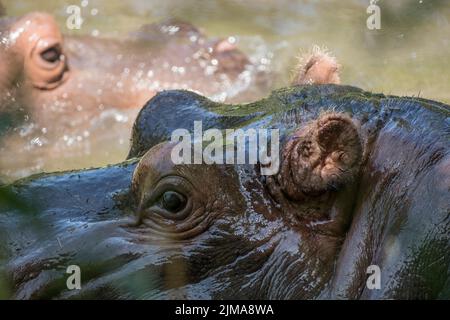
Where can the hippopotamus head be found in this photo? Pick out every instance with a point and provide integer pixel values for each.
(161, 56)
(343, 202)
(33, 53)
(264, 237)
(60, 98)
(342, 199)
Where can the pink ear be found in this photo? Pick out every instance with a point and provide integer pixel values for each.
(322, 156)
(317, 67)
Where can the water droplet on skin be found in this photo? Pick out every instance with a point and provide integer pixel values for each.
(231, 40)
(94, 11)
(84, 3)
(95, 33)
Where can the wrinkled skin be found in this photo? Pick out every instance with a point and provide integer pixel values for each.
(364, 179)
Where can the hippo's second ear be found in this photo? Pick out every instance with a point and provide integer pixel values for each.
(317, 67)
(320, 157)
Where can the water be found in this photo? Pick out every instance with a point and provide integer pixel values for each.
(409, 55)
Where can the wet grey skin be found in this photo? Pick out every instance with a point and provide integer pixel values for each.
(241, 235)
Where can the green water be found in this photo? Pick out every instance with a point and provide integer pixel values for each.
(409, 55)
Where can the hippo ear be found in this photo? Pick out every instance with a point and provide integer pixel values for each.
(322, 156)
(316, 67)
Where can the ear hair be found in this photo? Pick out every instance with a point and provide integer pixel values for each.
(317, 66)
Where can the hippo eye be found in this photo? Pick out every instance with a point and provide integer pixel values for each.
(170, 199)
(173, 201)
(51, 55)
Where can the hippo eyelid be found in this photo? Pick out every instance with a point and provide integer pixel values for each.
(167, 183)
(158, 209)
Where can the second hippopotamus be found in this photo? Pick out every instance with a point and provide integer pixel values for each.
(69, 102)
(68, 97)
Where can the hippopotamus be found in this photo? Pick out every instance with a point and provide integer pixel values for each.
(69, 102)
(363, 180)
(67, 97)
(43, 67)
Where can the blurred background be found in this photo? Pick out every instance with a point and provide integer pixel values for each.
(409, 54)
